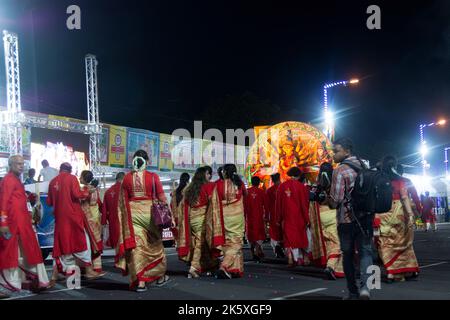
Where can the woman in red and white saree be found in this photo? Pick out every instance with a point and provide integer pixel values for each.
(92, 212)
(231, 192)
(325, 244)
(176, 197)
(140, 248)
(200, 226)
(396, 228)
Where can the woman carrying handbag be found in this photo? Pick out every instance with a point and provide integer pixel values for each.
(140, 247)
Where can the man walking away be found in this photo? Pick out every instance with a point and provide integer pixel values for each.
(352, 231)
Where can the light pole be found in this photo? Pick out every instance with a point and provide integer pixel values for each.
(423, 142)
(328, 115)
(446, 162)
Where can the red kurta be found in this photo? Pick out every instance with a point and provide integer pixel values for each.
(64, 195)
(271, 197)
(14, 214)
(427, 211)
(292, 206)
(255, 214)
(110, 213)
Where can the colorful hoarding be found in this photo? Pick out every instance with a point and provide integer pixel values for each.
(165, 152)
(145, 140)
(104, 145)
(117, 146)
(182, 154)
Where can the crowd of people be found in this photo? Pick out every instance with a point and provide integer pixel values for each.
(308, 224)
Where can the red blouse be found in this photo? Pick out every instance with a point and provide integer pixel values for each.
(234, 193)
(139, 186)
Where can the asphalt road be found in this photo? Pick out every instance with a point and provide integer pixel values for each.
(270, 280)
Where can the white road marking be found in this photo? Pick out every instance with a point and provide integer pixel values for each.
(21, 297)
(432, 265)
(45, 293)
(300, 294)
(61, 290)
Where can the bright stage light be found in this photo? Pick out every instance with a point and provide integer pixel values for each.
(442, 122)
(329, 118)
(424, 150)
(353, 81)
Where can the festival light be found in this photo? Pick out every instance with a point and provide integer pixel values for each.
(423, 148)
(329, 117)
(447, 174)
(329, 123)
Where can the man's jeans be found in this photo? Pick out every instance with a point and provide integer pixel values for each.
(351, 238)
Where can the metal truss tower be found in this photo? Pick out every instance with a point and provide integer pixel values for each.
(13, 117)
(94, 127)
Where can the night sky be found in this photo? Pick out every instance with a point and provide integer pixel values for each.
(162, 63)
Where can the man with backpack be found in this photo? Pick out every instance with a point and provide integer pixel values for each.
(354, 227)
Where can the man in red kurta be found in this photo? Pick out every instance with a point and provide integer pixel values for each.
(19, 248)
(274, 228)
(110, 211)
(428, 214)
(72, 243)
(292, 205)
(255, 218)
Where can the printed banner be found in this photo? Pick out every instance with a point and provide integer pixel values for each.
(145, 140)
(182, 154)
(206, 152)
(165, 152)
(104, 145)
(240, 158)
(117, 146)
(229, 155)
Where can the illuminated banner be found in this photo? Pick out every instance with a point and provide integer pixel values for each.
(26, 142)
(145, 140)
(240, 156)
(165, 152)
(117, 146)
(4, 142)
(206, 152)
(104, 145)
(213, 154)
(229, 155)
(182, 154)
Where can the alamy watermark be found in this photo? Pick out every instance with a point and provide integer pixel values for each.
(374, 280)
(74, 280)
(374, 20)
(73, 22)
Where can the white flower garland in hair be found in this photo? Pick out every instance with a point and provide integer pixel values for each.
(138, 168)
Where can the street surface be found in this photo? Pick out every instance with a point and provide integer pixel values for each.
(269, 280)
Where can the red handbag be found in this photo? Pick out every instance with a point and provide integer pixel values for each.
(161, 214)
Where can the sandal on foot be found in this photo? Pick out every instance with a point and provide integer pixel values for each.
(141, 289)
(97, 276)
(166, 279)
(51, 284)
(193, 273)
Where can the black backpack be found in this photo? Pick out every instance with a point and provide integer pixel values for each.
(372, 192)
